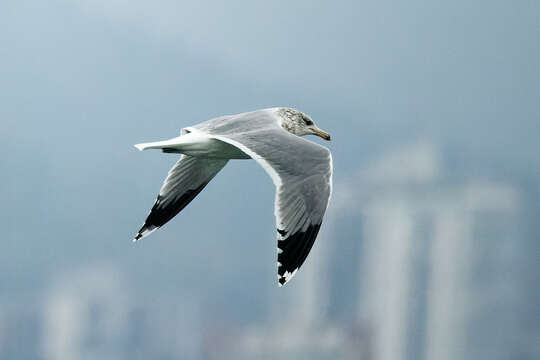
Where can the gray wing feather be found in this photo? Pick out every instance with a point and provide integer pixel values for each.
(300, 169)
(185, 181)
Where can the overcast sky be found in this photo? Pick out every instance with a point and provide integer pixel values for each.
(82, 81)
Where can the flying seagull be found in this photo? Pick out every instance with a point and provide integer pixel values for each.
(301, 171)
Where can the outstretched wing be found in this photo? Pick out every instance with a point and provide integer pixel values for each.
(301, 171)
(185, 180)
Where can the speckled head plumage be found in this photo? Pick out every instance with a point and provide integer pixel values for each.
(298, 123)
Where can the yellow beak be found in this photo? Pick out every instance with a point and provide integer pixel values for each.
(321, 133)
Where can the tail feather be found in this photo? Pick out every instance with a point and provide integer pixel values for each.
(140, 147)
(171, 143)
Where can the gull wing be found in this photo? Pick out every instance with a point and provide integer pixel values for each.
(301, 171)
(185, 181)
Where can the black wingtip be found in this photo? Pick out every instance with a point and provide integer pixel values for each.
(293, 251)
(282, 232)
(145, 231)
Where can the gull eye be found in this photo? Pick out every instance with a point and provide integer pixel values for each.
(308, 122)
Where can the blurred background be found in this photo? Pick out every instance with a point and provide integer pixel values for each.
(430, 248)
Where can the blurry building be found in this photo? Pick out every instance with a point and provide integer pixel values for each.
(91, 314)
(433, 257)
(411, 265)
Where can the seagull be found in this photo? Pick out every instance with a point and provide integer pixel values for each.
(300, 169)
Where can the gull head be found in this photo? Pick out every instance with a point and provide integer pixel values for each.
(298, 123)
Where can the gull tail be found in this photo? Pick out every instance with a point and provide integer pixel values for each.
(166, 144)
